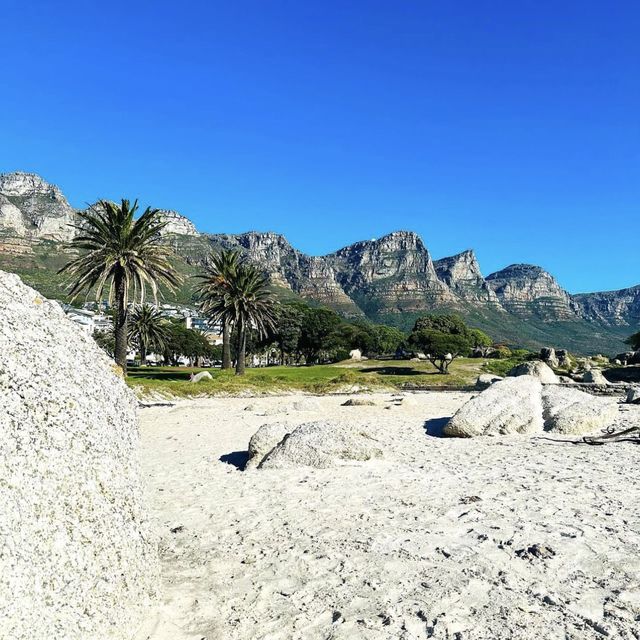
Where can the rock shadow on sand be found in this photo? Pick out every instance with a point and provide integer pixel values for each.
(238, 459)
(435, 427)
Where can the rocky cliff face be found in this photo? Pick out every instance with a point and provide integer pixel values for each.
(394, 274)
(33, 209)
(461, 273)
(525, 289)
(611, 308)
(391, 279)
(177, 224)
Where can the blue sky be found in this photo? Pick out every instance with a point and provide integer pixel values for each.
(509, 127)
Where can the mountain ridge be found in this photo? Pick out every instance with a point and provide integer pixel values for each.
(391, 279)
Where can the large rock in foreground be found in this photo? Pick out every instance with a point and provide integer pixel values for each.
(322, 445)
(76, 561)
(513, 405)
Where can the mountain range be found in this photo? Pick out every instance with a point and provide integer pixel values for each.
(392, 279)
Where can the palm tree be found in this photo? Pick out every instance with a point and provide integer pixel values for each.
(148, 328)
(245, 302)
(124, 254)
(220, 270)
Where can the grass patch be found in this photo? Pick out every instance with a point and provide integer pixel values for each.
(318, 379)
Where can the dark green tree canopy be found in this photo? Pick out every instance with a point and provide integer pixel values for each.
(443, 338)
(634, 341)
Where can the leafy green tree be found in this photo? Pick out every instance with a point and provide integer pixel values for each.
(386, 340)
(124, 253)
(220, 271)
(442, 338)
(106, 341)
(318, 328)
(148, 329)
(245, 302)
(634, 341)
(481, 342)
(287, 330)
(445, 323)
(183, 342)
(441, 348)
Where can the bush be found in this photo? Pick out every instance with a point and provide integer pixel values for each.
(501, 353)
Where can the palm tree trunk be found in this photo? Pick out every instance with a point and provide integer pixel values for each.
(226, 345)
(143, 354)
(242, 347)
(121, 323)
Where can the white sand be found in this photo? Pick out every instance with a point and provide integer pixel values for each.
(394, 548)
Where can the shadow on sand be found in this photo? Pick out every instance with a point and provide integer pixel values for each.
(435, 427)
(236, 458)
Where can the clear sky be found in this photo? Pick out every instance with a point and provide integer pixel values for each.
(510, 127)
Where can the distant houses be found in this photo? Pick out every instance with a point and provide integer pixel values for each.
(92, 318)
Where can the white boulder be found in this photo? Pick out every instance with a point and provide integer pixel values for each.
(633, 395)
(568, 410)
(595, 376)
(485, 380)
(265, 439)
(524, 405)
(76, 557)
(512, 405)
(322, 445)
(535, 368)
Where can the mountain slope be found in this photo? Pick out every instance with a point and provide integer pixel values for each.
(392, 279)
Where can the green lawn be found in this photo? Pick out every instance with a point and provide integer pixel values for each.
(370, 374)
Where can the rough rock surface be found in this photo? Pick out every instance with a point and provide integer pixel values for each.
(570, 411)
(485, 380)
(513, 405)
(76, 560)
(322, 445)
(32, 208)
(264, 440)
(633, 395)
(537, 369)
(526, 289)
(462, 274)
(595, 376)
(177, 224)
(549, 356)
(358, 402)
(523, 405)
(306, 404)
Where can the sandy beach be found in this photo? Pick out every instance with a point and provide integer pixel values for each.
(484, 538)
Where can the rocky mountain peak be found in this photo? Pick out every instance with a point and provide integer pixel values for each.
(177, 224)
(461, 273)
(528, 289)
(463, 267)
(21, 183)
(33, 209)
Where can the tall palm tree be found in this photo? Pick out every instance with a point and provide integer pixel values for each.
(124, 254)
(220, 270)
(245, 302)
(148, 328)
